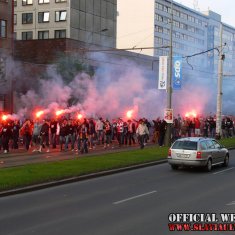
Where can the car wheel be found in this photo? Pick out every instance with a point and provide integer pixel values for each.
(174, 167)
(226, 160)
(209, 165)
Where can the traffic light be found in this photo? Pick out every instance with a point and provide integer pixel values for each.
(2, 69)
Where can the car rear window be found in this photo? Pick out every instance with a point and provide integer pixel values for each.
(188, 145)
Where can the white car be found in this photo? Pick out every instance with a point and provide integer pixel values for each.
(198, 152)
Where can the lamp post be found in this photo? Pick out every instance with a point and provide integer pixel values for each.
(219, 86)
(169, 81)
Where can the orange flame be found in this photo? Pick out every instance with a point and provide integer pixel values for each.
(4, 117)
(39, 114)
(80, 116)
(129, 113)
(191, 114)
(59, 112)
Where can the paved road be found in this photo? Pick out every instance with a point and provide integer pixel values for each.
(131, 203)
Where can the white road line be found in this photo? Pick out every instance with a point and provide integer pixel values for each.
(131, 198)
(231, 203)
(218, 172)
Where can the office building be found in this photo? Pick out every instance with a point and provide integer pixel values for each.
(193, 32)
(6, 50)
(89, 21)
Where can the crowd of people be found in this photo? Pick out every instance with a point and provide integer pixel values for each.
(86, 134)
(69, 134)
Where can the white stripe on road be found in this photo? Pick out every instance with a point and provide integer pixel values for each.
(218, 172)
(131, 198)
(231, 203)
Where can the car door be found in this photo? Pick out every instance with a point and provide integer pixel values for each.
(219, 151)
(212, 151)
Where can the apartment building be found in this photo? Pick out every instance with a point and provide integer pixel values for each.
(89, 21)
(6, 28)
(6, 50)
(193, 32)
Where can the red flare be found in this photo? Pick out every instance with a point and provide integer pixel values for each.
(4, 117)
(129, 113)
(59, 112)
(191, 114)
(80, 116)
(39, 114)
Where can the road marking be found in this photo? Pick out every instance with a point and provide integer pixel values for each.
(231, 203)
(131, 198)
(218, 172)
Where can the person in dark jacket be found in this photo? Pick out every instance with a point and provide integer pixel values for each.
(6, 135)
(83, 134)
(15, 134)
(44, 136)
(26, 131)
(70, 137)
(162, 131)
(91, 133)
(63, 133)
(53, 129)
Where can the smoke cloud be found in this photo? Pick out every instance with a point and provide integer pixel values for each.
(115, 88)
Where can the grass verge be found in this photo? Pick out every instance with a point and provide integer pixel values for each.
(16, 177)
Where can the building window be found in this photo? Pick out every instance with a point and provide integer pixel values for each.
(60, 33)
(159, 29)
(27, 2)
(159, 6)
(27, 35)
(43, 17)
(43, 34)
(15, 19)
(60, 1)
(15, 3)
(27, 18)
(60, 15)
(43, 1)
(3, 29)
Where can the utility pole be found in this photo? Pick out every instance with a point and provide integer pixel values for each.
(169, 81)
(219, 86)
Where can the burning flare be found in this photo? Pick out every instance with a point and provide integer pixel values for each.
(39, 114)
(191, 114)
(59, 112)
(4, 117)
(79, 116)
(129, 113)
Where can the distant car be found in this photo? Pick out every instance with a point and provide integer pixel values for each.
(197, 152)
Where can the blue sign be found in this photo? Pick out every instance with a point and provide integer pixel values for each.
(177, 73)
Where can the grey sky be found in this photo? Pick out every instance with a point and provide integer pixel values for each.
(223, 7)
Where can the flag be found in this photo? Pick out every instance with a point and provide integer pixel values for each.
(162, 80)
(177, 73)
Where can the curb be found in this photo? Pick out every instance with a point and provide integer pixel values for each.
(78, 178)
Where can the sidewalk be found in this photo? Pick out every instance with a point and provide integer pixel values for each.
(21, 157)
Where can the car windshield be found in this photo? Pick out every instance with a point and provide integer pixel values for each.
(186, 144)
